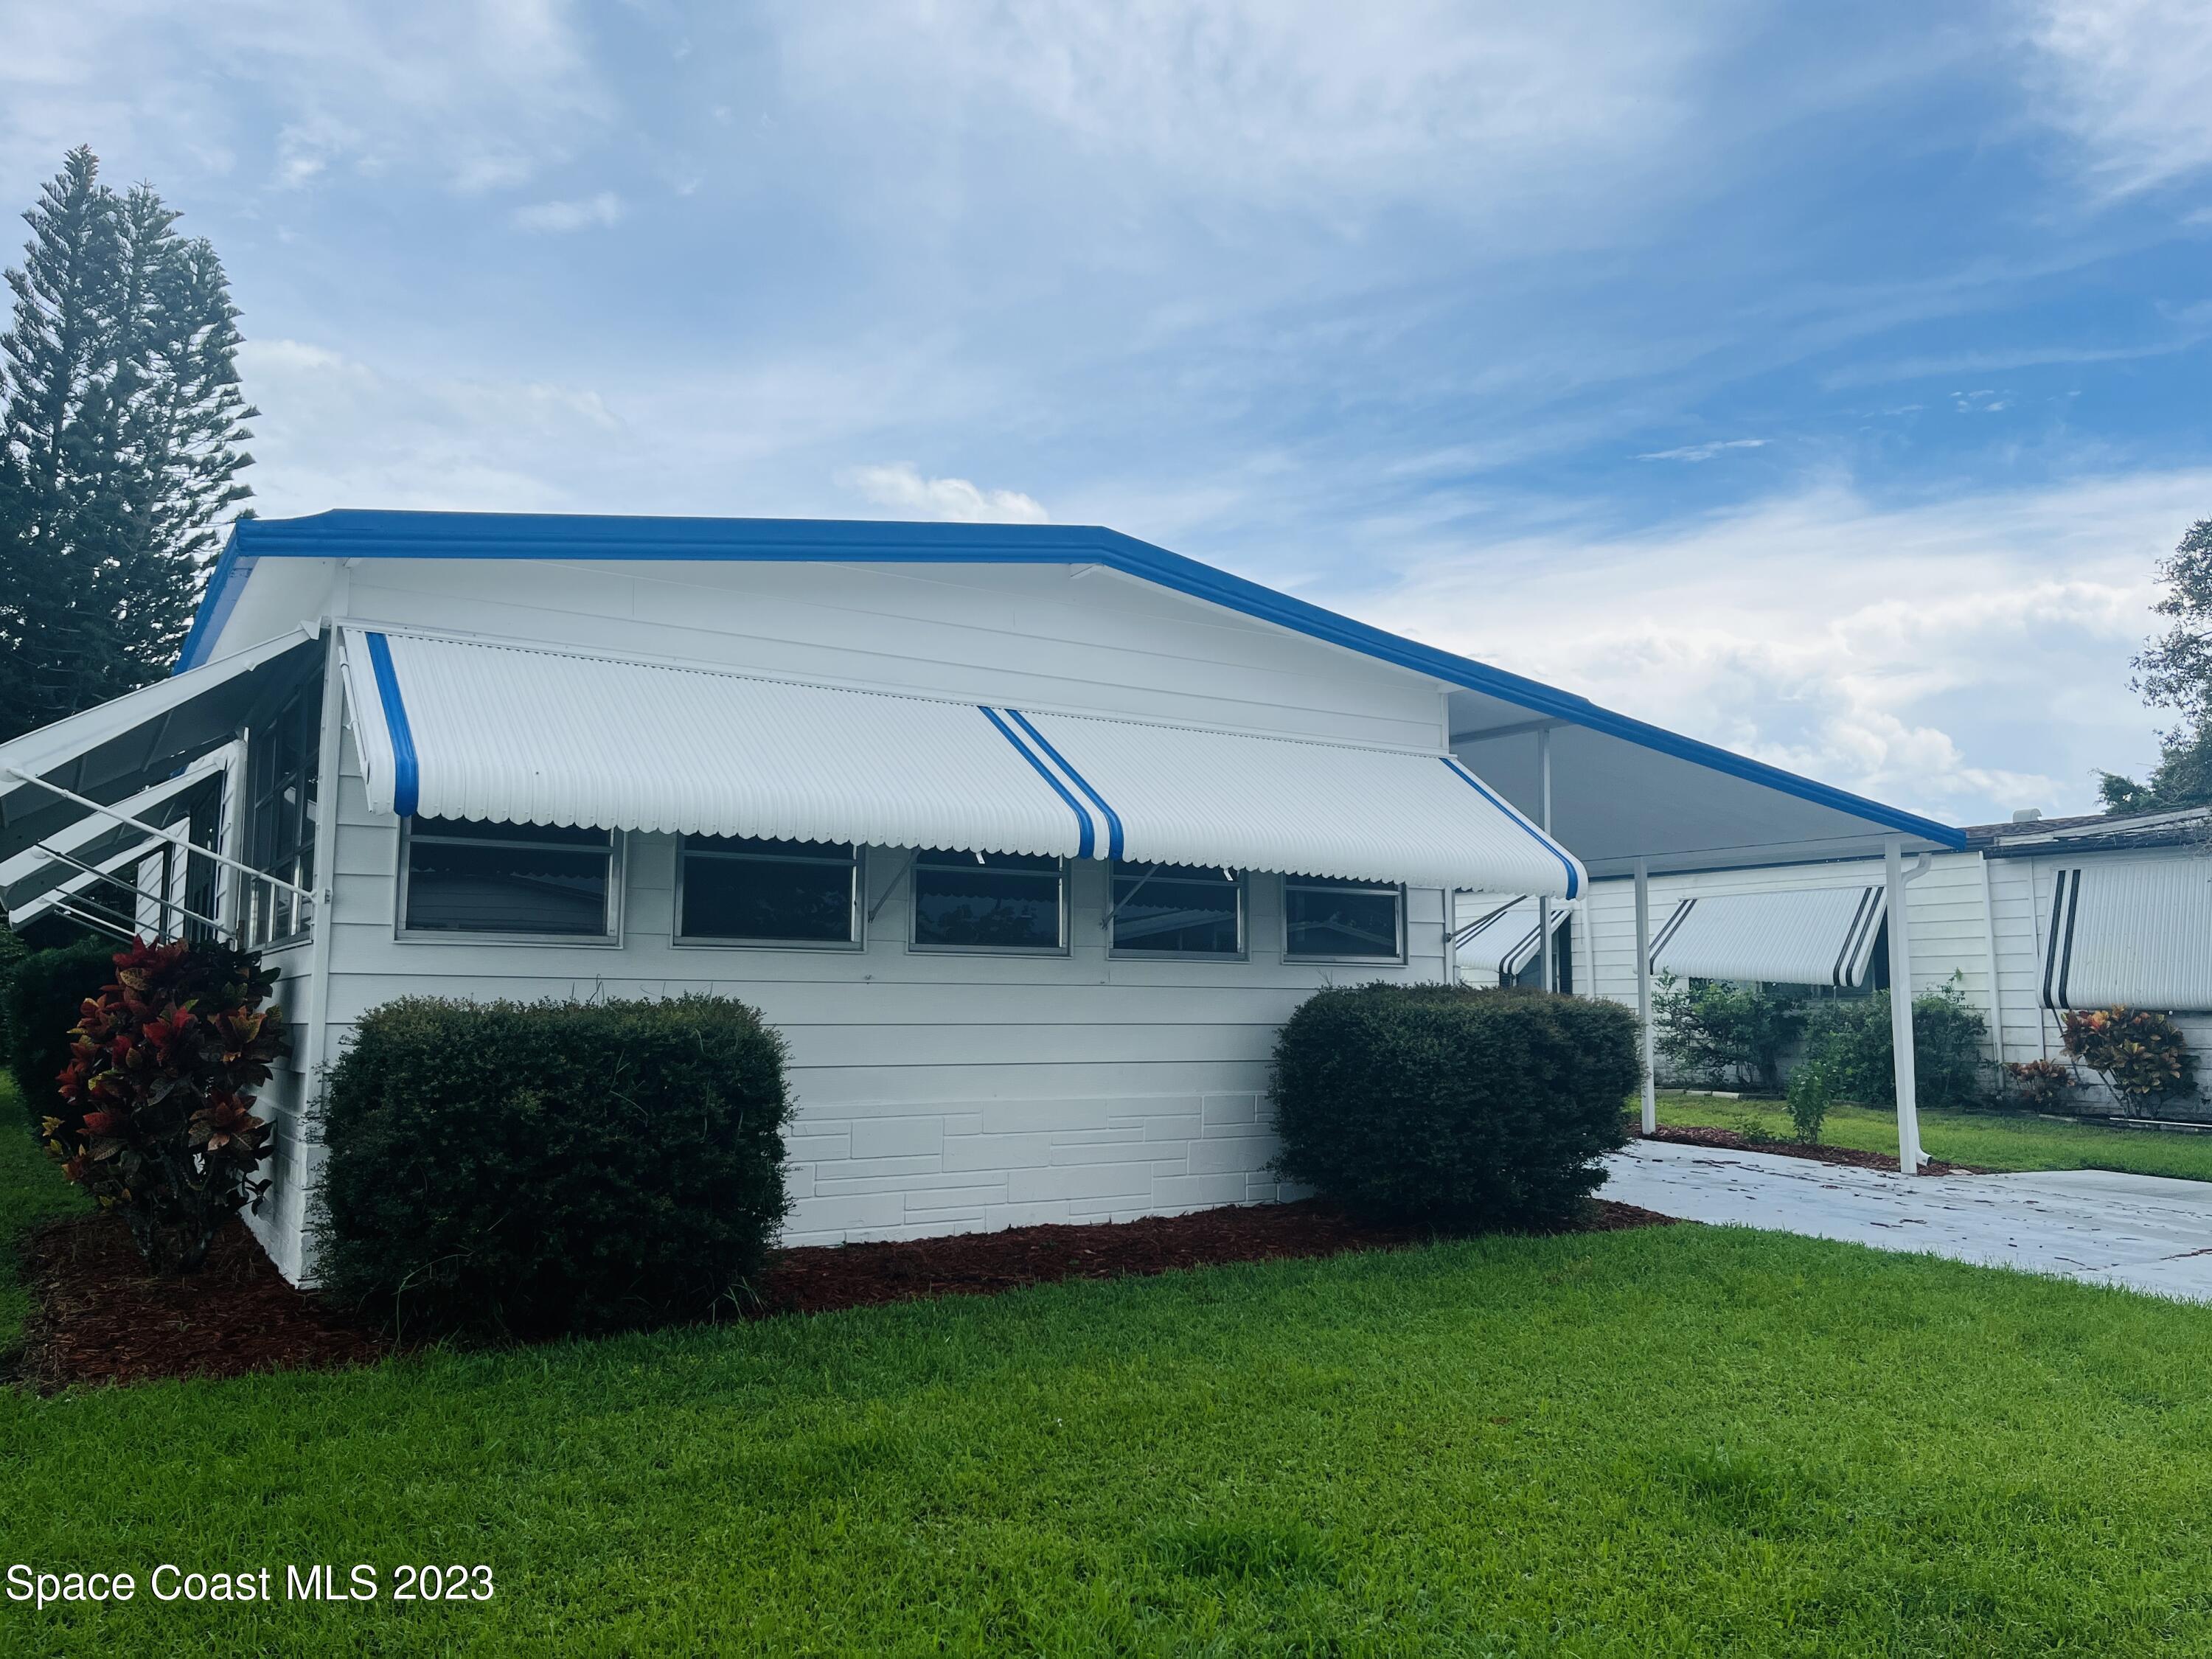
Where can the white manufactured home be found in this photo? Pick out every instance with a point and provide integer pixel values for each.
(2029, 920)
(1026, 838)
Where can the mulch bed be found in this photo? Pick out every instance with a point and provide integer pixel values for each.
(1730, 1140)
(820, 1279)
(98, 1317)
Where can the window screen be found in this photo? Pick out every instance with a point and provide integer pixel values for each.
(463, 877)
(790, 892)
(988, 902)
(1343, 920)
(1177, 910)
(281, 825)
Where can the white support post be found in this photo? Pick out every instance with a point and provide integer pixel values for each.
(328, 754)
(1546, 946)
(1910, 1157)
(1643, 992)
(1989, 955)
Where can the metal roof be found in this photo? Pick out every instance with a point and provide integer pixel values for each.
(520, 732)
(2098, 832)
(1808, 936)
(1628, 788)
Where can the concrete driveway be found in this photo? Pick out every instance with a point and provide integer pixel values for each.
(2146, 1232)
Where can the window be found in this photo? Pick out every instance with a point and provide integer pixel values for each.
(463, 877)
(1330, 921)
(988, 902)
(1177, 910)
(774, 892)
(281, 827)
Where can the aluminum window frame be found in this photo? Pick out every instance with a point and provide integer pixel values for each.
(914, 866)
(1118, 953)
(292, 730)
(617, 843)
(679, 940)
(1330, 884)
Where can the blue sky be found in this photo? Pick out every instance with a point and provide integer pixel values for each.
(1820, 380)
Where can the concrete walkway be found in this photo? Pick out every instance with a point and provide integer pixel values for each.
(2146, 1232)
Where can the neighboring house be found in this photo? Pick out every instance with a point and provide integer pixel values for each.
(1026, 838)
(2030, 919)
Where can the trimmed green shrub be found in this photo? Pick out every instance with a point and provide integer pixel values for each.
(47, 993)
(541, 1167)
(1851, 1039)
(1453, 1107)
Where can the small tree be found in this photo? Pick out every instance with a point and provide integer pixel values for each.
(156, 1112)
(1726, 1033)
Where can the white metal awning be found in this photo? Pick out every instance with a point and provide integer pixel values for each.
(136, 741)
(2136, 935)
(1499, 937)
(523, 733)
(1805, 936)
(55, 861)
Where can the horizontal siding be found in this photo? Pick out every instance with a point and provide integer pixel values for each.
(1001, 634)
(1946, 936)
(936, 1092)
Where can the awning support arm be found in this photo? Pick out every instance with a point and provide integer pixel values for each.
(97, 923)
(152, 830)
(115, 877)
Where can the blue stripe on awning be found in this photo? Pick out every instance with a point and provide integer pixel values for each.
(1113, 818)
(406, 773)
(1574, 881)
(1087, 835)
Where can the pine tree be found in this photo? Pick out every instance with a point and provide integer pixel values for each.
(120, 445)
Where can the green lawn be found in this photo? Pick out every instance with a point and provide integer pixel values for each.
(1687, 1440)
(1980, 1138)
(32, 1190)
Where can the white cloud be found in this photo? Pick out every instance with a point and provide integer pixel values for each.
(1704, 452)
(902, 487)
(2132, 81)
(1328, 107)
(602, 210)
(474, 94)
(355, 434)
(1963, 657)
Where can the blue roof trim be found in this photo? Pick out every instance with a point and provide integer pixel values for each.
(406, 771)
(217, 601)
(1574, 880)
(348, 534)
(1087, 838)
(1113, 817)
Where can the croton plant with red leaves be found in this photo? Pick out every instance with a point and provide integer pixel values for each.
(157, 1098)
(2140, 1052)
